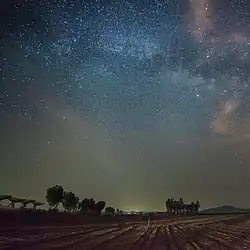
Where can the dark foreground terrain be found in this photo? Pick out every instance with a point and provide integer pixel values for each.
(198, 232)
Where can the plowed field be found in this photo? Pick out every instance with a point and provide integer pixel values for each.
(198, 232)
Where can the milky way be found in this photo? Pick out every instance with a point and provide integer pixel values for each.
(107, 98)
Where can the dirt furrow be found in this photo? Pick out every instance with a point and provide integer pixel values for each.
(41, 234)
(210, 234)
(238, 237)
(236, 241)
(169, 240)
(43, 238)
(200, 240)
(151, 239)
(199, 235)
(160, 242)
(191, 240)
(123, 241)
(61, 240)
(131, 239)
(235, 232)
(92, 239)
(102, 242)
(237, 220)
(222, 243)
(180, 241)
(142, 239)
(35, 233)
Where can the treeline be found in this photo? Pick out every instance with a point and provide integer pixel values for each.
(70, 202)
(179, 207)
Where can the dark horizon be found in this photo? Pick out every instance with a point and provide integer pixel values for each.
(126, 102)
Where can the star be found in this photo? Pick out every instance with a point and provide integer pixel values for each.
(129, 93)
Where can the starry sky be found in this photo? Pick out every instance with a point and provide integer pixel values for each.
(131, 102)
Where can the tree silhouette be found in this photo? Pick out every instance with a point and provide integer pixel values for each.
(91, 204)
(119, 211)
(84, 205)
(179, 207)
(54, 196)
(99, 206)
(192, 207)
(173, 205)
(197, 206)
(109, 210)
(69, 201)
(168, 206)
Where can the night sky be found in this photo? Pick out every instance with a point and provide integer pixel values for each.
(131, 102)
